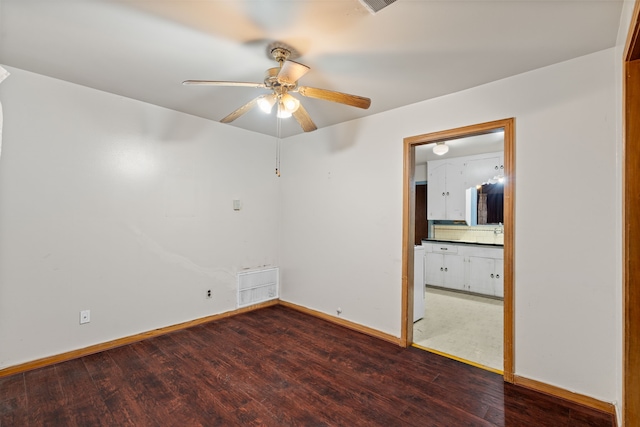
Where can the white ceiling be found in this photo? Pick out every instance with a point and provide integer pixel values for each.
(411, 51)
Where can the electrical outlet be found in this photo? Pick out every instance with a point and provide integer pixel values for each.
(85, 316)
(339, 311)
(208, 293)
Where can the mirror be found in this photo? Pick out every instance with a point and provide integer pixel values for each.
(490, 205)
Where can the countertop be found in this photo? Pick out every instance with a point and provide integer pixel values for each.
(462, 242)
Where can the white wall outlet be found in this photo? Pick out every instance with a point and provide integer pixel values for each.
(339, 311)
(209, 294)
(85, 316)
(237, 204)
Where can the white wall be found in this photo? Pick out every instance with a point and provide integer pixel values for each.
(123, 208)
(342, 216)
(421, 173)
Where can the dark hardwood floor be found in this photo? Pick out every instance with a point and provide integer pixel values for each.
(275, 367)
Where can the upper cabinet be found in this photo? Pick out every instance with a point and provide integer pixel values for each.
(445, 190)
(449, 178)
(481, 170)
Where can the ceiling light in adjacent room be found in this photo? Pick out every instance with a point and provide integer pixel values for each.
(440, 148)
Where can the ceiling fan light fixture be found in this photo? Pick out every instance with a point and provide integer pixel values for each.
(266, 102)
(283, 113)
(440, 148)
(290, 103)
(280, 80)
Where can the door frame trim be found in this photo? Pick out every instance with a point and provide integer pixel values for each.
(631, 224)
(408, 218)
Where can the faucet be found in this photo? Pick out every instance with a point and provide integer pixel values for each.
(499, 230)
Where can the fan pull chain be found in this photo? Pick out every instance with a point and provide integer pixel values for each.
(278, 158)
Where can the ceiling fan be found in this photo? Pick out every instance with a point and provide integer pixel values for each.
(283, 80)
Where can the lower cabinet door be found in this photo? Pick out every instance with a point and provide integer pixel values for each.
(499, 278)
(454, 271)
(482, 275)
(479, 274)
(434, 269)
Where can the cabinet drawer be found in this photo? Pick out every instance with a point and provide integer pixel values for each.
(483, 251)
(445, 249)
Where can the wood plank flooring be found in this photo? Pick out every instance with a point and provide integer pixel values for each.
(275, 367)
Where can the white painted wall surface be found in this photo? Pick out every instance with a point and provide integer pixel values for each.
(122, 208)
(342, 216)
(421, 173)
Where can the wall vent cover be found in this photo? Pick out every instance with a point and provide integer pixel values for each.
(258, 286)
(374, 6)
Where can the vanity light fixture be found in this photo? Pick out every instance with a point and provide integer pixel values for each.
(497, 179)
(440, 148)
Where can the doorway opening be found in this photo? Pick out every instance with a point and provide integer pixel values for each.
(502, 267)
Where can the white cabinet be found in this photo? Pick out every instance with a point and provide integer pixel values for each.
(449, 178)
(445, 271)
(436, 190)
(432, 264)
(483, 167)
(445, 194)
(444, 267)
(481, 170)
(499, 283)
(433, 275)
(485, 276)
(472, 268)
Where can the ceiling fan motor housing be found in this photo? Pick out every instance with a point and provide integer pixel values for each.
(271, 81)
(280, 54)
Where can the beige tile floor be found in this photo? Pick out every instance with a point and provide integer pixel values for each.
(466, 326)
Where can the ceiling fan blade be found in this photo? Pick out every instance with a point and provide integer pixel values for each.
(219, 83)
(303, 118)
(240, 111)
(330, 95)
(291, 71)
